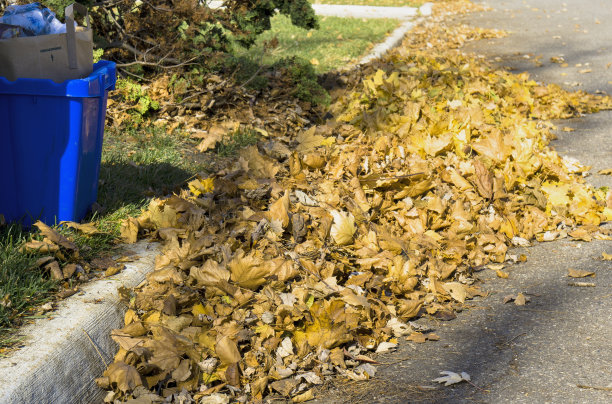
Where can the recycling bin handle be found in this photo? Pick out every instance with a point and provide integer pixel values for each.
(70, 31)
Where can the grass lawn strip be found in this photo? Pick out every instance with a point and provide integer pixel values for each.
(339, 41)
(375, 3)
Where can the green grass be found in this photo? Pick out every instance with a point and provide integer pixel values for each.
(337, 42)
(138, 164)
(381, 3)
(235, 141)
(22, 286)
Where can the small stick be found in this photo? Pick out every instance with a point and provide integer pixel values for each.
(582, 386)
(95, 347)
(479, 388)
(581, 284)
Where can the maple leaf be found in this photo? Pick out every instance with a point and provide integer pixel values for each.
(248, 271)
(452, 377)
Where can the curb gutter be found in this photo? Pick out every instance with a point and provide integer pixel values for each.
(65, 353)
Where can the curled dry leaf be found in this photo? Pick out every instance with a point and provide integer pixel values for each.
(55, 237)
(123, 376)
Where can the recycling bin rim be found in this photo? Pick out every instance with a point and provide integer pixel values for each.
(100, 80)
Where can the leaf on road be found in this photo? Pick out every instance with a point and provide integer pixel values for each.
(577, 273)
(452, 377)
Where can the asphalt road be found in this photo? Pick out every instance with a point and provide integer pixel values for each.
(562, 339)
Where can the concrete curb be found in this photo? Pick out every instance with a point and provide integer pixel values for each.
(354, 11)
(393, 40)
(64, 354)
(333, 10)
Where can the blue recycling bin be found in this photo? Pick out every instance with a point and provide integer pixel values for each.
(51, 145)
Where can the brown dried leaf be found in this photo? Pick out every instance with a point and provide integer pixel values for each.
(40, 247)
(576, 273)
(123, 376)
(129, 230)
(456, 290)
(279, 210)
(520, 299)
(85, 228)
(55, 237)
(248, 271)
(227, 351)
(483, 179)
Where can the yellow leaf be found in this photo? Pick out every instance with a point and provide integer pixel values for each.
(198, 309)
(309, 140)
(199, 187)
(300, 398)
(129, 230)
(258, 166)
(124, 376)
(211, 274)
(502, 274)
(343, 228)
(606, 256)
(314, 62)
(152, 318)
(606, 171)
(227, 351)
(520, 299)
(85, 228)
(279, 210)
(494, 146)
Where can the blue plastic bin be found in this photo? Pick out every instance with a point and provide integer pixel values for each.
(51, 145)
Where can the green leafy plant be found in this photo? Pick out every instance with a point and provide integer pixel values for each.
(304, 78)
(133, 91)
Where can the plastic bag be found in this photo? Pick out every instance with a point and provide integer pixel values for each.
(33, 18)
(13, 31)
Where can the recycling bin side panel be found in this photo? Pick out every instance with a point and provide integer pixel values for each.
(88, 153)
(33, 144)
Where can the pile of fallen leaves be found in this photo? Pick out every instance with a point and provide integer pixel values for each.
(210, 107)
(314, 248)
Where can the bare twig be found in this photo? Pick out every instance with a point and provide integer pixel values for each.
(157, 64)
(95, 347)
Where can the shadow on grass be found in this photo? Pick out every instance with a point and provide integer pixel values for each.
(127, 183)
